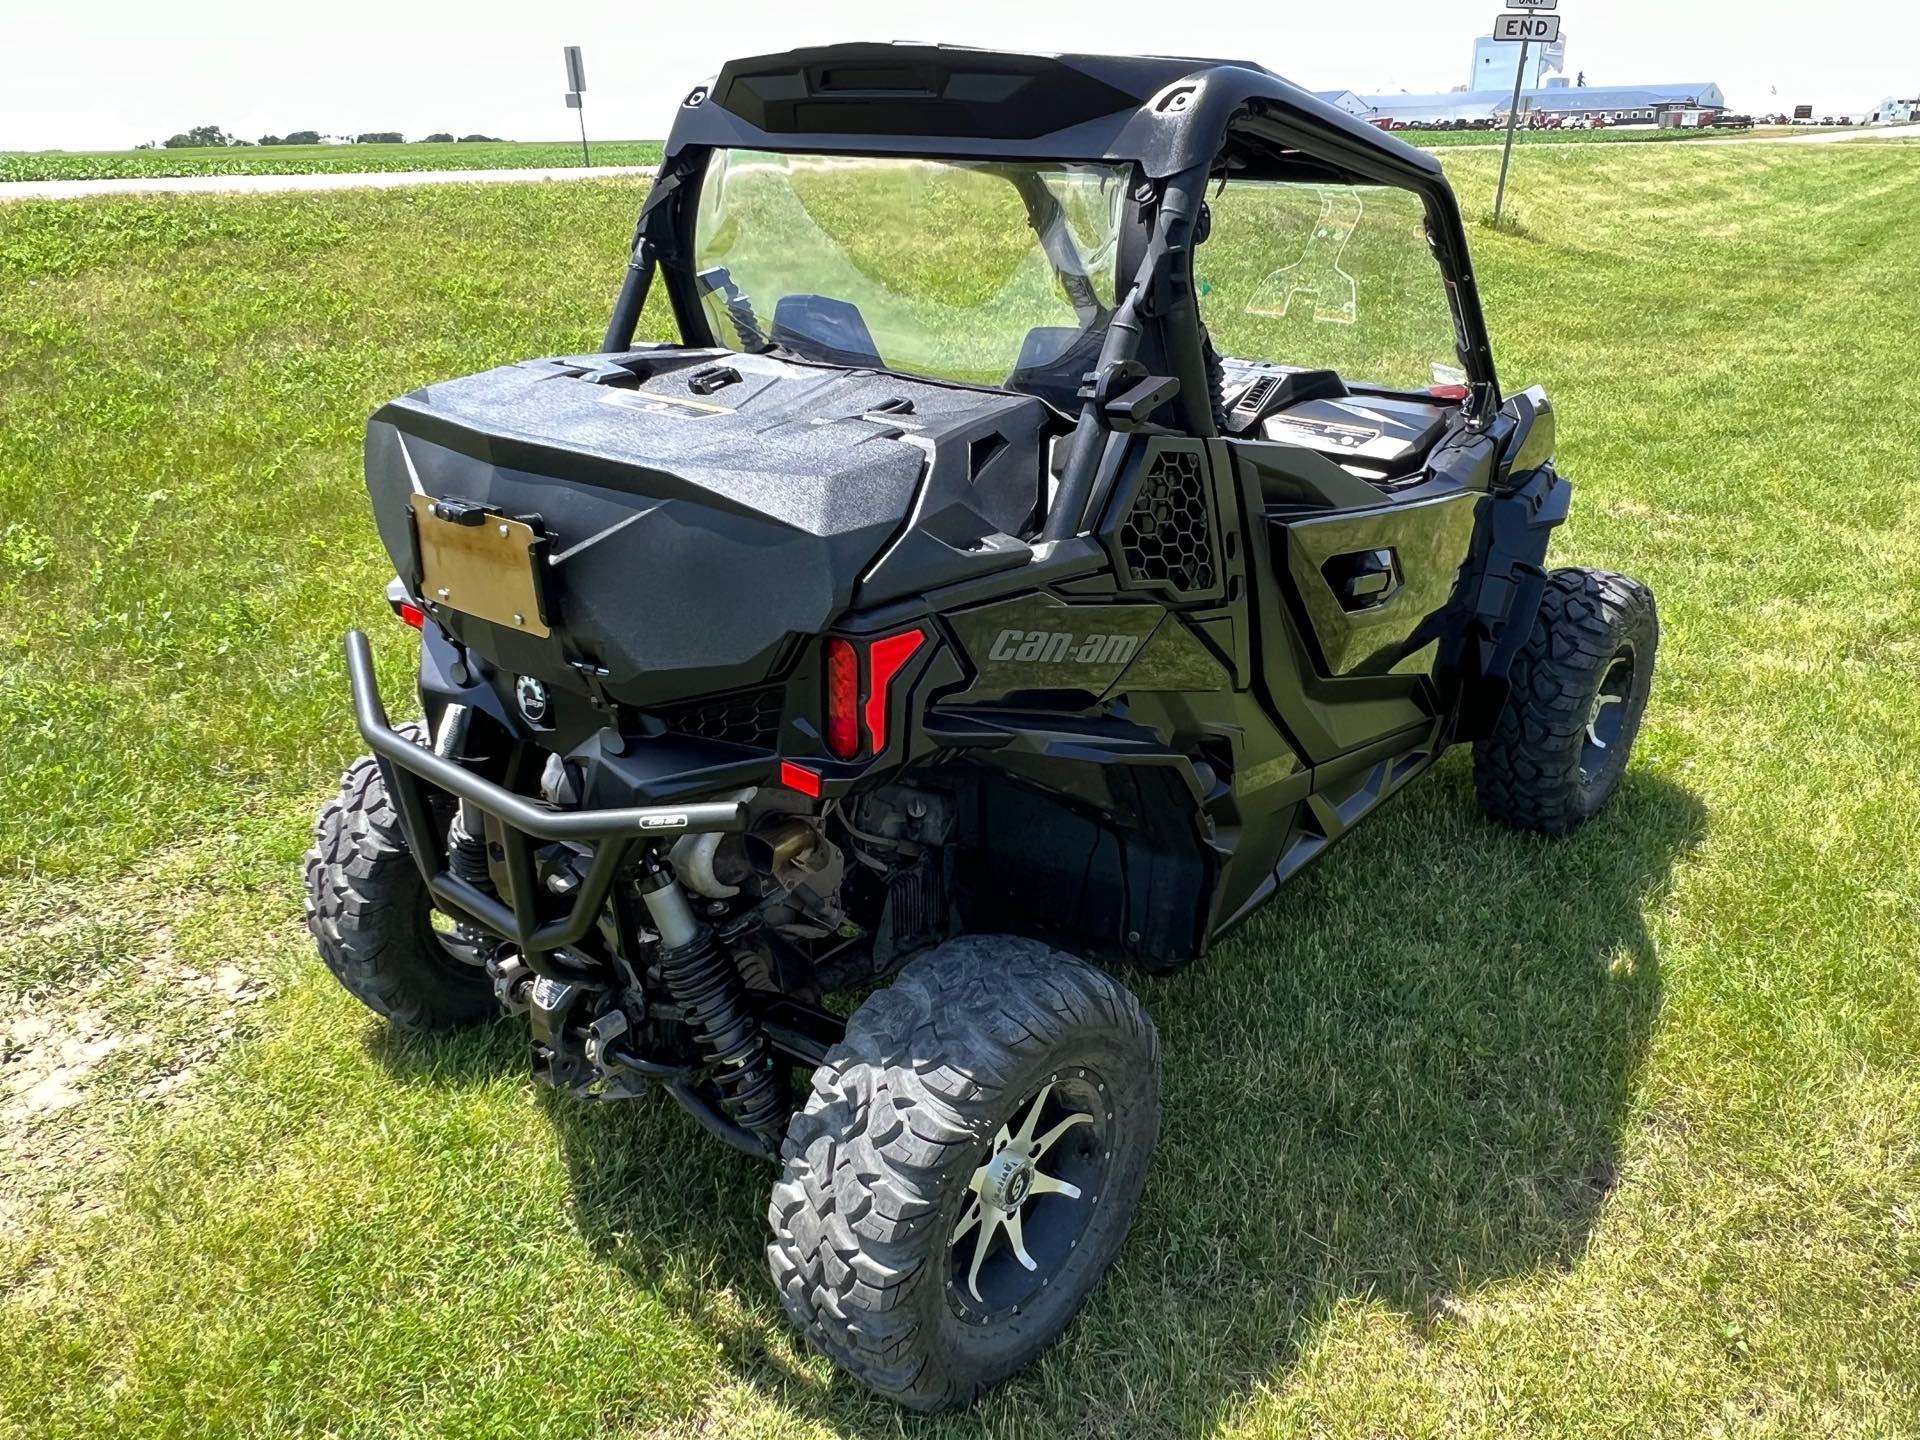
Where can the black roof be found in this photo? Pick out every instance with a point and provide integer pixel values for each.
(1164, 113)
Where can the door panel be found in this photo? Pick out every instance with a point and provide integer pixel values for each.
(1373, 583)
(1345, 659)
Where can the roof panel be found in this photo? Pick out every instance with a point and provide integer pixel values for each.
(1164, 113)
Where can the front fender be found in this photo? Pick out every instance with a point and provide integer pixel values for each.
(1535, 435)
(1511, 579)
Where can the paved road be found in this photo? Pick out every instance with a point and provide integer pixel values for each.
(272, 184)
(1830, 137)
(1822, 137)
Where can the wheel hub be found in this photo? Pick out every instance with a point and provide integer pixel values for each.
(1007, 1182)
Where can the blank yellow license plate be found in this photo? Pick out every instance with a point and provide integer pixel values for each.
(487, 570)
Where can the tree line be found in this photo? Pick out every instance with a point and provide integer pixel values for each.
(203, 137)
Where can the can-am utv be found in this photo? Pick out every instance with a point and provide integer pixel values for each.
(1079, 494)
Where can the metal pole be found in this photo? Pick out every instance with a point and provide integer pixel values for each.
(1513, 119)
(586, 158)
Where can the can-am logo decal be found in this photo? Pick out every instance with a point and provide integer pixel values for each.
(1054, 646)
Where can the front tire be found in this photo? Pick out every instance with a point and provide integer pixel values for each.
(966, 1167)
(373, 921)
(1579, 688)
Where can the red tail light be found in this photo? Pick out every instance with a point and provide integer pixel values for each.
(886, 657)
(843, 699)
(413, 615)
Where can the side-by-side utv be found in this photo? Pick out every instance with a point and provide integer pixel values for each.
(1078, 492)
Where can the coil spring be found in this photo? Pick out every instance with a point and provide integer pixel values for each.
(703, 982)
(467, 854)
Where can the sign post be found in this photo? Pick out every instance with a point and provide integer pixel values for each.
(1526, 28)
(576, 83)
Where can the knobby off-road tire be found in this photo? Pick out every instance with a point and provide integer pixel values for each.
(903, 1121)
(1579, 690)
(372, 919)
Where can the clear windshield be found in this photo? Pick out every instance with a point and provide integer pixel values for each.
(975, 272)
(1333, 277)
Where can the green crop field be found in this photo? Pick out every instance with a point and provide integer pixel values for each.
(316, 159)
(511, 154)
(1468, 1133)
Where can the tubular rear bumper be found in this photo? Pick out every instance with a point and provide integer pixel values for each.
(612, 834)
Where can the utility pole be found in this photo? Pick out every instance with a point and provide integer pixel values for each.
(1513, 119)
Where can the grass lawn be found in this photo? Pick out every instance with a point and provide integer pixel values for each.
(1468, 1132)
(315, 159)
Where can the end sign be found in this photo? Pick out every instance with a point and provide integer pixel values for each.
(1540, 29)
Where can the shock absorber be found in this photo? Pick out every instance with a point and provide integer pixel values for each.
(466, 844)
(702, 980)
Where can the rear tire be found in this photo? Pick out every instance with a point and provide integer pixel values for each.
(373, 921)
(1579, 688)
(991, 1079)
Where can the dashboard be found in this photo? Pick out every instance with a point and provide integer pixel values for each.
(1377, 437)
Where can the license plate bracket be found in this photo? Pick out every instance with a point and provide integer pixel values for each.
(490, 570)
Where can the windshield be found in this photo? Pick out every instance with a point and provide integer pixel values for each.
(983, 273)
(1327, 277)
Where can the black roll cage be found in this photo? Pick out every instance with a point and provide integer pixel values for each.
(1178, 123)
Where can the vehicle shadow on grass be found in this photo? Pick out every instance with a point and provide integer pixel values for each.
(1404, 1081)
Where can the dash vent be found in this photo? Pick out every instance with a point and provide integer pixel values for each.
(1247, 407)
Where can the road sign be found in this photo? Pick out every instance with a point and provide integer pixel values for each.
(1536, 29)
(576, 82)
(1533, 4)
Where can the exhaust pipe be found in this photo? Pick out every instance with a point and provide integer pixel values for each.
(785, 842)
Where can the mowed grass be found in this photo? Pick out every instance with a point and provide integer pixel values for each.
(1469, 1132)
(317, 159)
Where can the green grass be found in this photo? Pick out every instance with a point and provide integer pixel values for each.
(316, 159)
(1468, 1133)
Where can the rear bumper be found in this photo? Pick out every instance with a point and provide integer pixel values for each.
(412, 772)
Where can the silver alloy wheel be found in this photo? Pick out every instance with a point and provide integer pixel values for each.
(1606, 717)
(1010, 1183)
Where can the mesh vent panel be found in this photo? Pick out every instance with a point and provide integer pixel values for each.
(751, 718)
(1166, 539)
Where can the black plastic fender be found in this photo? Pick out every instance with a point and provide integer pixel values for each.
(1506, 596)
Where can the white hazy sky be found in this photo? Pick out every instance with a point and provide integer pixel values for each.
(109, 73)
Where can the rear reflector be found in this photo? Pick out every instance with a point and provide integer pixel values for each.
(1450, 392)
(413, 615)
(886, 657)
(798, 777)
(843, 699)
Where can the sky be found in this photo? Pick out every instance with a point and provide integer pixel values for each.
(108, 74)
